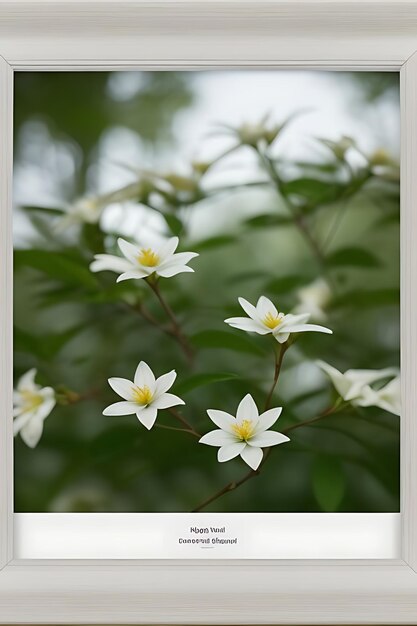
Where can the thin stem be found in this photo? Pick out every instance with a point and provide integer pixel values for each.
(279, 357)
(252, 473)
(313, 420)
(176, 328)
(305, 231)
(67, 396)
(178, 430)
(190, 428)
(298, 219)
(345, 205)
(231, 486)
(152, 320)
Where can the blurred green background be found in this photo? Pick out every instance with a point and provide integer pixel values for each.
(87, 134)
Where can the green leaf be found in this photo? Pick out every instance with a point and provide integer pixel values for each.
(41, 224)
(329, 482)
(388, 220)
(113, 443)
(268, 220)
(352, 257)
(367, 299)
(174, 223)
(243, 277)
(227, 341)
(200, 380)
(44, 210)
(57, 265)
(314, 191)
(93, 237)
(118, 292)
(327, 168)
(58, 295)
(213, 242)
(285, 284)
(44, 346)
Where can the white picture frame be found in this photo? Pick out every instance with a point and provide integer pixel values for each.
(201, 34)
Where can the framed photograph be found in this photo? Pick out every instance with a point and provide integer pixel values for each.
(208, 309)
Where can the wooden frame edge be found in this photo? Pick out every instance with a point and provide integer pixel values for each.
(6, 246)
(408, 86)
(109, 592)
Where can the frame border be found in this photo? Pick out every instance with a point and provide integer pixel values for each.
(106, 34)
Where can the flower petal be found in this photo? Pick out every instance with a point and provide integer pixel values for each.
(173, 270)
(281, 337)
(230, 451)
(390, 395)
(370, 376)
(249, 309)
(27, 381)
(267, 438)
(388, 398)
(144, 376)
(167, 248)
(247, 410)
(341, 383)
(166, 400)
(122, 387)
(44, 409)
(109, 262)
(165, 382)
(32, 432)
(147, 416)
(20, 421)
(17, 398)
(130, 251)
(222, 419)
(133, 275)
(247, 324)
(217, 438)
(252, 456)
(121, 408)
(291, 320)
(181, 258)
(265, 306)
(302, 328)
(268, 419)
(356, 389)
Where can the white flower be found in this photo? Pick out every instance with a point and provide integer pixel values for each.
(313, 299)
(355, 386)
(387, 398)
(88, 209)
(31, 406)
(84, 210)
(244, 435)
(144, 396)
(140, 262)
(264, 319)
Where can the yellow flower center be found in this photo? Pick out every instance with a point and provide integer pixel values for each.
(272, 321)
(142, 395)
(244, 430)
(148, 257)
(31, 400)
